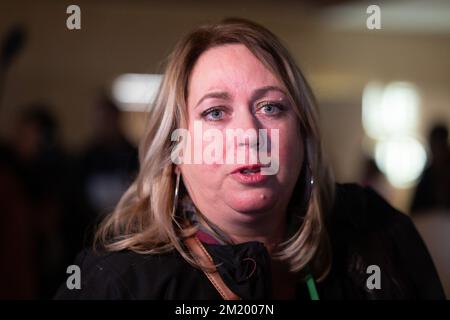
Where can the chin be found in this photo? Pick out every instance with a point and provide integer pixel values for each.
(252, 202)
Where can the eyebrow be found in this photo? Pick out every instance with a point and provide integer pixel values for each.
(258, 93)
(217, 95)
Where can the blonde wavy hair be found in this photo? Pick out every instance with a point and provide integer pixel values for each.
(143, 221)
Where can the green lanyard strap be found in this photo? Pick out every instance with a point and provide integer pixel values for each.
(310, 283)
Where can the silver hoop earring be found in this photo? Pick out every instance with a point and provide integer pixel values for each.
(311, 180)
(175, 196)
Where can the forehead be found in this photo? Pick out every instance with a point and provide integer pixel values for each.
(230, 67)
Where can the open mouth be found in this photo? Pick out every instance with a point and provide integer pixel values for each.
(250, 175)
(249, 170)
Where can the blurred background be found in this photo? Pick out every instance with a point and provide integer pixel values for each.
(73, 104)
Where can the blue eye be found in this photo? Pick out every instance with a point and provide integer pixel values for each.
(212, 114)
(271, 109)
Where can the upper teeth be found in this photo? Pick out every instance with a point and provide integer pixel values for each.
(250, 170)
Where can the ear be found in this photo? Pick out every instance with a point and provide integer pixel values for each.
(177, 170)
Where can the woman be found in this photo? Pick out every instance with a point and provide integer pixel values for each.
(193, 226)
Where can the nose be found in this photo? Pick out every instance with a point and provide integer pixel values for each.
(246, 126)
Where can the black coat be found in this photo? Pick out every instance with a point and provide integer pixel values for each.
(364, 230)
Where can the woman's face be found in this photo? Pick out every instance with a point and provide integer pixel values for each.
(229, 88)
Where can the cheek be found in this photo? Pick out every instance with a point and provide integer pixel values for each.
(289, 146)
(206, 145)
(195, 173)
(200, 177)
(214, 151)
(290, 149)
(199, 172)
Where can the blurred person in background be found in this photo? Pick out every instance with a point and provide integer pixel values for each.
(18, 270)
(33, 192)
(433, 189)
(103, 172)
(373, 177)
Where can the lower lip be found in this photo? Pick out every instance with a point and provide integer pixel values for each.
(252, 178)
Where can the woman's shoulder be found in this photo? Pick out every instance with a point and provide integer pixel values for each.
(362, 209)
(124, 260)
(361, 216)
(120, 274)
(367, 230)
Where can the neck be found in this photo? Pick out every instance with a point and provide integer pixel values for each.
(270, 235)
(268, 230)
